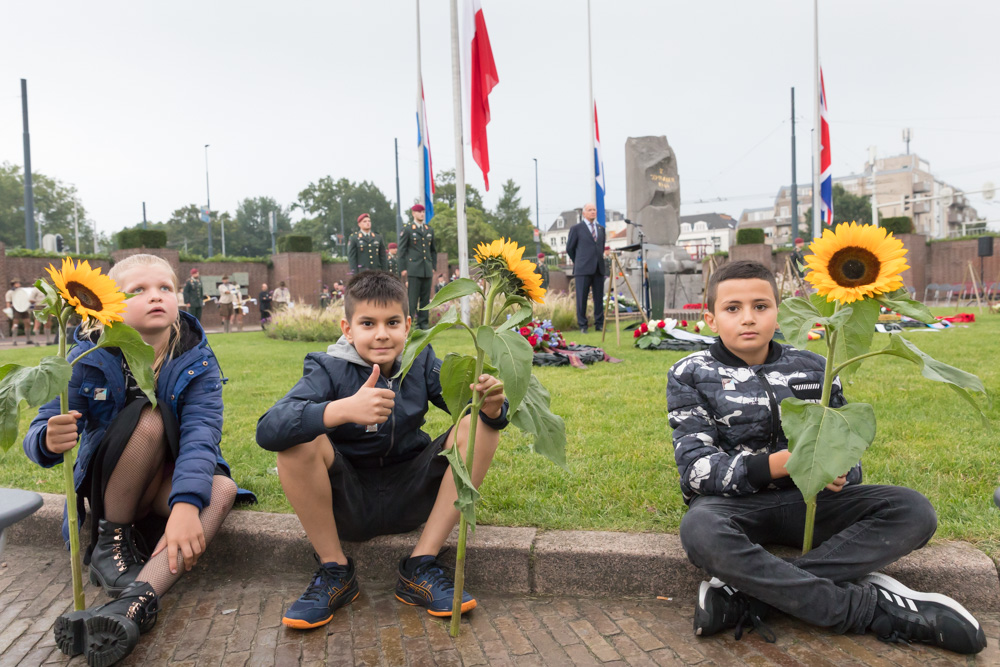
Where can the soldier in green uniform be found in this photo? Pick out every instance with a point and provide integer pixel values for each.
(366, 250)
(417, 258)
(194, 294)
(393, 260)
(543, 270)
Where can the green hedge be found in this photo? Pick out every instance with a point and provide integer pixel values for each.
(295, 243)
(749, 236)
(142, 238)
(897, 225)
(25, 252)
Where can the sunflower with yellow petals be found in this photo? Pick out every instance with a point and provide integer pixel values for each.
(504, 258)
(855, 262)
(90, 293)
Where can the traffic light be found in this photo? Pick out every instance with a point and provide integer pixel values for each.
(59, 243)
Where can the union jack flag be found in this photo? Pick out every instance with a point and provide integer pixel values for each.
(825, 163)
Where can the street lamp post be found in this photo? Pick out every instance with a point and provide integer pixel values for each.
(343, 239)
(208, 204)
(538, 220)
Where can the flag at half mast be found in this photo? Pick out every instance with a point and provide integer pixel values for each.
(424, 142)
(825, 162)
(598, 172)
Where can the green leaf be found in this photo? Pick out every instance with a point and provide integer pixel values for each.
(512, 355)
(536, 417)
(453, 290)
(420, 338)
(138, 354)
(825, 442)
(53, 301)
(516, 319)
(900, 302)
(963, 383)
(797, 317)
(823, 307)
(511, 300)
(458, 371)
(467, 493)
(856, 334)
(32, 385)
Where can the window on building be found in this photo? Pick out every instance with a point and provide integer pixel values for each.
(785, 212)
(717, 243)
(700, 226)
(685, 227)
(562, 240)
(560, 223)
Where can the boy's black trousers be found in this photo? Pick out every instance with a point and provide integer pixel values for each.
(858, 530)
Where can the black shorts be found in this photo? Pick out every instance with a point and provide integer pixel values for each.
(396, 498)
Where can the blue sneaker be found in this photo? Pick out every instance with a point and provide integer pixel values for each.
(429, 585)
(332, 587)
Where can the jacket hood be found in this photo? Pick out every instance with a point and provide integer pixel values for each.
(345, 350)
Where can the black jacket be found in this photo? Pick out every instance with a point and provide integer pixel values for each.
(339, 373)
(586, 253)
(726, 417)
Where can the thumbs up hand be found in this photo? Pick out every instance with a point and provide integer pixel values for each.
(372, 405)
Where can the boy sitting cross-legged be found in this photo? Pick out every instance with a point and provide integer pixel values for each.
(354, 463)
(731, 453)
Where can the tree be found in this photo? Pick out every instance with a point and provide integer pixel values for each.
(510, 219)
(251, 235)
(445, 225)
(53, 201)
(846, 208)
(321, 201)
(445, 192)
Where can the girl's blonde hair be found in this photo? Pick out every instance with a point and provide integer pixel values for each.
(115, 274)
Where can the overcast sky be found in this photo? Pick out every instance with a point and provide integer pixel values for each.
(124, 95)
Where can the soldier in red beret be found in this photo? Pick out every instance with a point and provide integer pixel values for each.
(365, 249)
(417, 258)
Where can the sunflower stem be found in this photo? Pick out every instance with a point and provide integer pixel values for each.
(841, 367)
(470, 452)
(69, 463)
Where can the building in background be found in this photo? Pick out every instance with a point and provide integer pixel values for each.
(897, 182)
(556, 234)
(707, 233)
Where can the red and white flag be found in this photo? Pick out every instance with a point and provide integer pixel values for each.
(480, 76)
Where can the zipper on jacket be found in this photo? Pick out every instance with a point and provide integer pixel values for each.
(775, 419)
(392, 431)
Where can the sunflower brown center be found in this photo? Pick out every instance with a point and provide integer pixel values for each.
(853, 267)
(87, 298)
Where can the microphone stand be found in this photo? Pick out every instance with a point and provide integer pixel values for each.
(644, 296)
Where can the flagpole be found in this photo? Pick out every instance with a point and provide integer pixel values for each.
(420, 95)
(456, 90)
(593, 130)
(817, 133)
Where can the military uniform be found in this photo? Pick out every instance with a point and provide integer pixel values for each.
(418, 257)
(366, 251)
(543, 271)
(393, 265)
(194, 296)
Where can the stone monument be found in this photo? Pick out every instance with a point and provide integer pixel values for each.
(653, 196)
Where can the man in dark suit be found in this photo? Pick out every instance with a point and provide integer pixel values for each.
(585, 247)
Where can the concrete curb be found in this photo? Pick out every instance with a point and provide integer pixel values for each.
(529, 561)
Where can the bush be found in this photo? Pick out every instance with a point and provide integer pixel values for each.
(327, 258)
(560, 309)
(749, 236)
(306, 323)
(25, 252)
(142, 238)
(898, 225)
(295, 243)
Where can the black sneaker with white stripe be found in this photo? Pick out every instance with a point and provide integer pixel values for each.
(722, 607)
(905, 615)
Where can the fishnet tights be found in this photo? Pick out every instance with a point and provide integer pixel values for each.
(156, 571)
(130, 489)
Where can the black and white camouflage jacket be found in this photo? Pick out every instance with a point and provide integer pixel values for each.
(726, 416)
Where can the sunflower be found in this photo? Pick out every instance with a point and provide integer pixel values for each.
(503, 258)
(90, 293)
(855, 262)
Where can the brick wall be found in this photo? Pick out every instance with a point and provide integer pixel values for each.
(302, 273)
(948, 262)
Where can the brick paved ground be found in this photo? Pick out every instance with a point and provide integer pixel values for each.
(210, 620)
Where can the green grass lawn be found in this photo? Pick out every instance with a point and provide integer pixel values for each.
(621, 474)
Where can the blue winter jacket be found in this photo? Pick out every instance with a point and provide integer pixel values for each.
(190, 384)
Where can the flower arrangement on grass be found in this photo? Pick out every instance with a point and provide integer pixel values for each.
(93, 296)
(510, 284)
(650, 334)
(542, 336)
(856, 271)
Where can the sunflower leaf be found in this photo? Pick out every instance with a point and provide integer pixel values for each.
(536, 417)
(516, 319)
(511, 353)
(457, 373)
(825, 442)
(856, 334)
(420, 338)
(138, 354)
(467, 493)
(453, 290)
(32, 386)
(53, 301)
(900, 302)
(963, 383)
(798, 316)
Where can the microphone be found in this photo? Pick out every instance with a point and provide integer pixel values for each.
(629, 222)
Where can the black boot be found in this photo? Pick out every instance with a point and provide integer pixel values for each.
(110, 632)
(116, 561)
